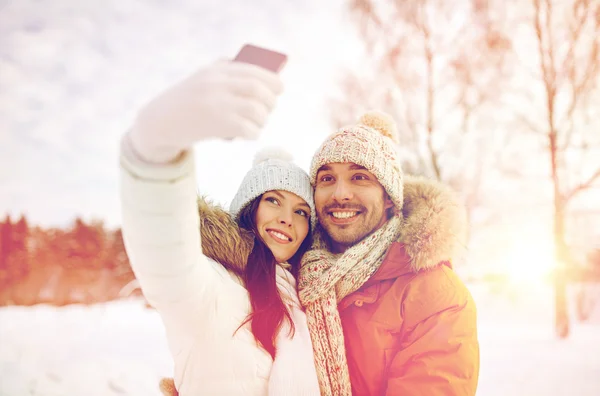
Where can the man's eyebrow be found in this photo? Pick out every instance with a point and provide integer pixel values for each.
(352, 167)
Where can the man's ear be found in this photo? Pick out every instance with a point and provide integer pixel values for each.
(390, 208)
(387, 202)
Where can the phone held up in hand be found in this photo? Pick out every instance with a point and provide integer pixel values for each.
(268, 59)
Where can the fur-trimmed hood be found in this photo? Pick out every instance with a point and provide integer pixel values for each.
(222, 239)
(433, 228)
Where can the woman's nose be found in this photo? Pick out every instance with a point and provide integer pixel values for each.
(285, 218)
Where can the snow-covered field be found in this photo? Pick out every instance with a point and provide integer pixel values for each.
(119, 348)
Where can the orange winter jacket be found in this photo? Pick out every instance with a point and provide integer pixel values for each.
(411, 330)
(411, 333)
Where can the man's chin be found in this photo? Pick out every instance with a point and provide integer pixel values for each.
(342, 234)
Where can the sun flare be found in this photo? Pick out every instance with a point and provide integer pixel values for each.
(531, 259)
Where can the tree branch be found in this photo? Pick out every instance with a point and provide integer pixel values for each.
(430, 95)
(580, 88)
(527, 122)
(570, 66)
(583, 186)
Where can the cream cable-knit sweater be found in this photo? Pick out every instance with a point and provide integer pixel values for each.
(202, 304)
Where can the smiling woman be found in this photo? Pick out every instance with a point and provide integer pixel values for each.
(282, 220)
(246, 266)
(223, 282)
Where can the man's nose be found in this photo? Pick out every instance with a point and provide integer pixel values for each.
(343, 192)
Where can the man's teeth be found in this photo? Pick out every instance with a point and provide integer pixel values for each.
(343, 215)
(279, 235)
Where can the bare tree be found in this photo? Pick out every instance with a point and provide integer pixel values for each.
(445, 69)
(435, 66)
(567, 36)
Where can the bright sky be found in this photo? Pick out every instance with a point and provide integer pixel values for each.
(72, 75)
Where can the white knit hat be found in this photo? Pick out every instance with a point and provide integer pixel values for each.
(273, 169)
(371, 143)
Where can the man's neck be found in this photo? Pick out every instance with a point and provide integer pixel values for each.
(337, 247)
(333, 246)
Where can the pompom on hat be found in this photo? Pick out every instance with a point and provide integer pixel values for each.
(273, 169)
(371, 143)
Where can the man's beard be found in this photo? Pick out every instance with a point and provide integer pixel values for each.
(349, 234)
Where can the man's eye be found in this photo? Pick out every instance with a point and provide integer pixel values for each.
(326, 178)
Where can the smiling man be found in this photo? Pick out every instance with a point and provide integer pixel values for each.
(387, 314)
(353, 203)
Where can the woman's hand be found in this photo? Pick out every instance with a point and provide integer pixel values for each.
(224, 100)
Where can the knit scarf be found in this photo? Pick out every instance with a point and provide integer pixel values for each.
(324, 280)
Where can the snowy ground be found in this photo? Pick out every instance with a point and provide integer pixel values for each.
(119, 349)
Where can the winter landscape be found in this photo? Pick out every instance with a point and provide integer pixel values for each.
(480, 90)
(119, 348)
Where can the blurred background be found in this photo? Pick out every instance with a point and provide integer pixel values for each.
(499, 99)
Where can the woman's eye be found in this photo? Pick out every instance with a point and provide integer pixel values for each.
(302, 213)
(272, 200)
(360, 177)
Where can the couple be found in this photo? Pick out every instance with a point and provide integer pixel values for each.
(347, 291)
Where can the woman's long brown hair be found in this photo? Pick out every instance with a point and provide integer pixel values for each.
(268, 308)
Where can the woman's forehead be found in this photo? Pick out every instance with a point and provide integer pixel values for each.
(289, 196)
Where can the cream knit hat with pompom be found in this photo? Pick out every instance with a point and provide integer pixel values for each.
(371, 143)
(273, 169)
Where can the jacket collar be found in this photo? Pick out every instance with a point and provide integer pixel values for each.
(434, 226)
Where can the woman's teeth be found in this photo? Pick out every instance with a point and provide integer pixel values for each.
(279, 235)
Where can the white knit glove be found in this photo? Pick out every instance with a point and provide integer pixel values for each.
(224, 100)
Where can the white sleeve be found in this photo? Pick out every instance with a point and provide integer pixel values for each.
(161, 231)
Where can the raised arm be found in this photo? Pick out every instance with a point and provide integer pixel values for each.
(161, 225)
(161, 231)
